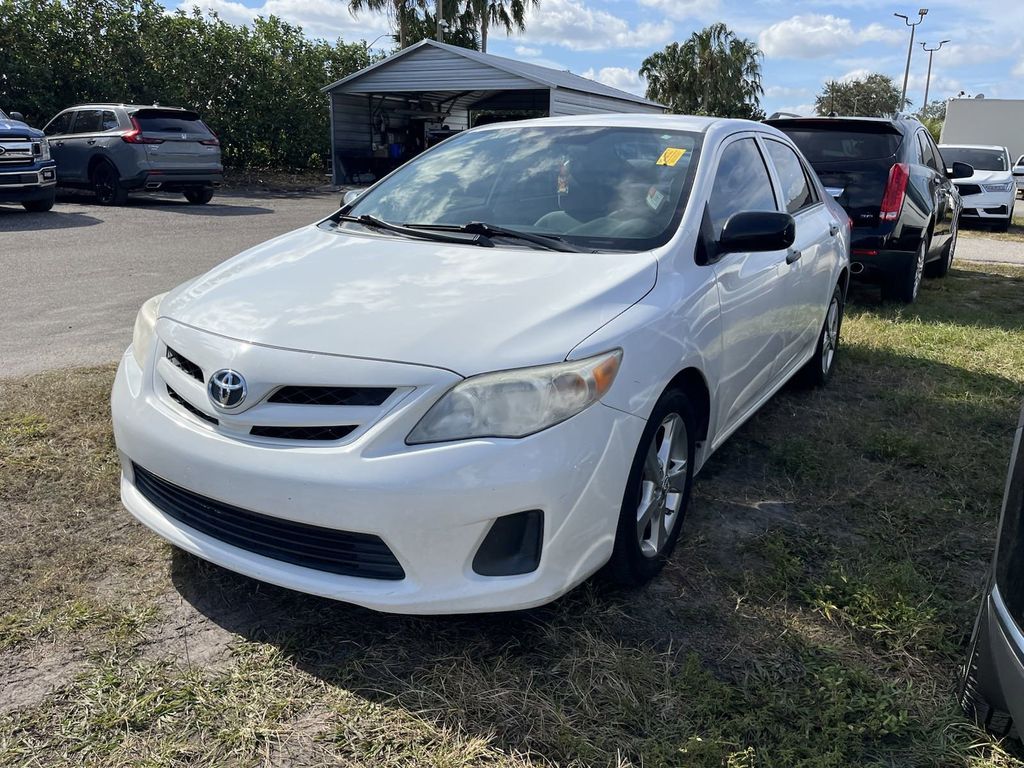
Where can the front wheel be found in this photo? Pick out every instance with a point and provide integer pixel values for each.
(106, 183)
(657, 492)
(199, 196)
(39, 206)
(818, 370)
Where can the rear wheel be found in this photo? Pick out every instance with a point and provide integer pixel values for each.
(200, 196)
(106, 183)
(657, 492)
(905, 285)
(39, 206)
(818, 370)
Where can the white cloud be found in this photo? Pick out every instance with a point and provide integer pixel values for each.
(528, 53)
(812, 35)
(683, 9)
(328, 19)
(784, 92)
(623, 78)
(1018, 71)
(574, 25)
(855, 74)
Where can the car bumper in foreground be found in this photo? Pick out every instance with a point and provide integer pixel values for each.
(431, 506)
(994, 689)
(28, 185)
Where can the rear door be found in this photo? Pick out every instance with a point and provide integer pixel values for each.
(806, 274)
(181, 141)
(754, 321)
(943, 193)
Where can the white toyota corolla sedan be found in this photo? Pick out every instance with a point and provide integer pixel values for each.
(494, 372)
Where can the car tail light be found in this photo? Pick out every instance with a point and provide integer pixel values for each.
(864, 252)
(895, 192)
(134, 136)
(213, 142)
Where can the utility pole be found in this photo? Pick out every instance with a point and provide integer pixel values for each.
(910, 50)
(439, 16)
(928, 81)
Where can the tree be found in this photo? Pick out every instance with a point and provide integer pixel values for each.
(462, 30)
(510, 15)
(933, 115)
(873, 96)
(712, 73)
(397, 11)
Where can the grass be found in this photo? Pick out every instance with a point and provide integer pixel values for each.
(1015, 233)
(813, 615)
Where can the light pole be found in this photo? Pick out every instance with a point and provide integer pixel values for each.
(378, 37)
(910, 49)
(928, 81)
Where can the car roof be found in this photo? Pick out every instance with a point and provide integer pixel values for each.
(129, 107)
(904, 123)
(710, 126)
(975, 146)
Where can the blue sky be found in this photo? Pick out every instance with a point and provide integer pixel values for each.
(805, 43)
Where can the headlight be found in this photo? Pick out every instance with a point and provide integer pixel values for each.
(998, 187)
(517, 403)
(44, 147)
(145, 329)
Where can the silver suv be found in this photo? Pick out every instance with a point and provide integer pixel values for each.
(114, 149)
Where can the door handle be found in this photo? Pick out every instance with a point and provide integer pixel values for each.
(60, 143)
(793, 255)
(833, 229)
(90, 142)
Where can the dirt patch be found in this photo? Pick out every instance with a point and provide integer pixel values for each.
(29, 676)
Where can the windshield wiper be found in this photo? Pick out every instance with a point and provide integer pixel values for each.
(374, 223)
(550, 242)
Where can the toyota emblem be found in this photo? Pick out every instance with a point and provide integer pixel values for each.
(227, 389)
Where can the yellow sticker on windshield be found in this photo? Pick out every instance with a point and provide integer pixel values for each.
(670, 156)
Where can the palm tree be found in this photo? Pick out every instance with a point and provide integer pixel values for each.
(508, 14)
(395, 9)
(712, 73)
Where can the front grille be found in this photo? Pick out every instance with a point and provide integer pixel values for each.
(310, 546)
(303, 433)
(189, 407)
(186, 365)
(968, 189)
(11, 179)
(332, 395)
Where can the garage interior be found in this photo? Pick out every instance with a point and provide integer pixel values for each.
(390, 111)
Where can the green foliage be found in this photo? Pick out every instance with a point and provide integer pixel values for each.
(873, 96)
(712, 73)
(933, 115)
(421, 24)
(258, 87)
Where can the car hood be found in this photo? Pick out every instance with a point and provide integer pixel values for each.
(989, 177)
(464, 308)
(18, 129)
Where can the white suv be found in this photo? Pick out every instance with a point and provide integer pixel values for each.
(1018, 173)
(988, 195)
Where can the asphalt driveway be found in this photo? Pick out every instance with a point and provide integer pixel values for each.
(74, 278)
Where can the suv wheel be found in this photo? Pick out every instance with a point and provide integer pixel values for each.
(657, 492)
(905, 285)
(106, 183)
(200, 196)
(39, 206)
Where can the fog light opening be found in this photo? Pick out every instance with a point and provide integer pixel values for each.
(512, 545)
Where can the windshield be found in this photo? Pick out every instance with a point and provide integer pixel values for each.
(979, 159)
(3, 115)
(593, 187)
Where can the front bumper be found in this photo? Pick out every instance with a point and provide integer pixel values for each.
(432, 505)
(997, 676)
(992, 206)
(28, 184)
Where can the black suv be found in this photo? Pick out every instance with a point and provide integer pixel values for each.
(889, 176)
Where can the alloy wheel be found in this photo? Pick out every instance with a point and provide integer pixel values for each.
(830, 340)
(662, 485)
(103, 184)
(919, 267)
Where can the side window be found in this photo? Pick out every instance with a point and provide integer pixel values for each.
(742, 183)
(921, 156)
(89, 121)
(796, 191)
(928, 149)
(59, 125)
(109, 121)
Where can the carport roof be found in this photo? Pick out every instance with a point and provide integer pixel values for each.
(533, 73)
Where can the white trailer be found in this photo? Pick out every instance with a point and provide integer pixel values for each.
(986, 122)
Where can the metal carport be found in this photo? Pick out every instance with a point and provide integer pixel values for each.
(385, 113)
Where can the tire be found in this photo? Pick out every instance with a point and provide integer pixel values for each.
(106, 184)
(40, 206)
(199, 196)
(818, 370)
(905, 286)
(1003, 226)
(941, 267)
(641, 549)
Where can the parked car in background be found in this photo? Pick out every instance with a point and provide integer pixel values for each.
(889, 176)
(115, 149)
(990, 192)
(991, 686)
(1018, 174)
(28, 174)
(493, 373)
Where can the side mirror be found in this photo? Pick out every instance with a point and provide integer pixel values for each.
(350, 197)
(18, 116)
(960, 171)
(757, 231)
